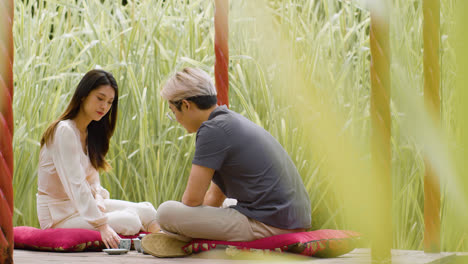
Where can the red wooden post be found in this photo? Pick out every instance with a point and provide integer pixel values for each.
(381, 130)
(222, 50)
(431, 11)
(6, 131)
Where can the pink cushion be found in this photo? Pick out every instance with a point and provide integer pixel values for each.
(58, 239)
(319, 243)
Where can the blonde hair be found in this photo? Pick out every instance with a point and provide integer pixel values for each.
(187, 83)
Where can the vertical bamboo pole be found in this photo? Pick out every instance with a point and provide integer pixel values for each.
(431, 11)
(381, 130)
(460, 133)
(222, 50)
(6, 131)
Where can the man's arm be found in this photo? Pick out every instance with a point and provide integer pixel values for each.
(214, 197)
(197, 185)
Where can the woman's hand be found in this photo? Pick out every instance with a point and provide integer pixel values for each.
(100, 203)
(109, 236)
(101, 207)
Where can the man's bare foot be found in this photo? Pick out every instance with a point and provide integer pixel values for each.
(153, 227)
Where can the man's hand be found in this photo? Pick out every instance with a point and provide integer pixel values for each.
(214, 197)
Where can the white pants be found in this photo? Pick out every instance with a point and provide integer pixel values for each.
(126, 218)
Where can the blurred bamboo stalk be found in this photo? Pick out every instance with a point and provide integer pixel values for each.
(222, 50)
(6, 131)
(461, 107)
(381, 131)
(431, 29)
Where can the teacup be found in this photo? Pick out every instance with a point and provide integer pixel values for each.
(125, 243)
(137, 244)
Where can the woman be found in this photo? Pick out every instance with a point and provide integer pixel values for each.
(73, 149)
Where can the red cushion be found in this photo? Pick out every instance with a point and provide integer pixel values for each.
(59, 239)
(319, 243)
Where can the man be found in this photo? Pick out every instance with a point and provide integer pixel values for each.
(233, 158)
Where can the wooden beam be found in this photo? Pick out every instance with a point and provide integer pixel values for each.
(6, 131)
(381, 130)
(431, 11)
(460, 43)
(222, 50)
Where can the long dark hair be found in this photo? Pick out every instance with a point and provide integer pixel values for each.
(99, 132)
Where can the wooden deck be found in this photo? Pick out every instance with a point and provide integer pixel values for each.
(220, 257)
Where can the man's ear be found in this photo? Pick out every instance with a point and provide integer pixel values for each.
(186, 104)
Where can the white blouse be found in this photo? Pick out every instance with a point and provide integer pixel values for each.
(67, 182)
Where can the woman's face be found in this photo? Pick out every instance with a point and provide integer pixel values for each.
(98, 102)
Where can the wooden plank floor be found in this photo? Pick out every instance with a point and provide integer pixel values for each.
(220, 256)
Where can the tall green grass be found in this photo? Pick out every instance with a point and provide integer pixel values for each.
(309, 62)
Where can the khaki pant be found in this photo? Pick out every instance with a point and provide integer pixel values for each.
(213, 223)
(126, 218)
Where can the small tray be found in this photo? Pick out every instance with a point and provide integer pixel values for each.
(115, 251)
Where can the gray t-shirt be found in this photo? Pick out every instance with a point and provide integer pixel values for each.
(251, 166)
